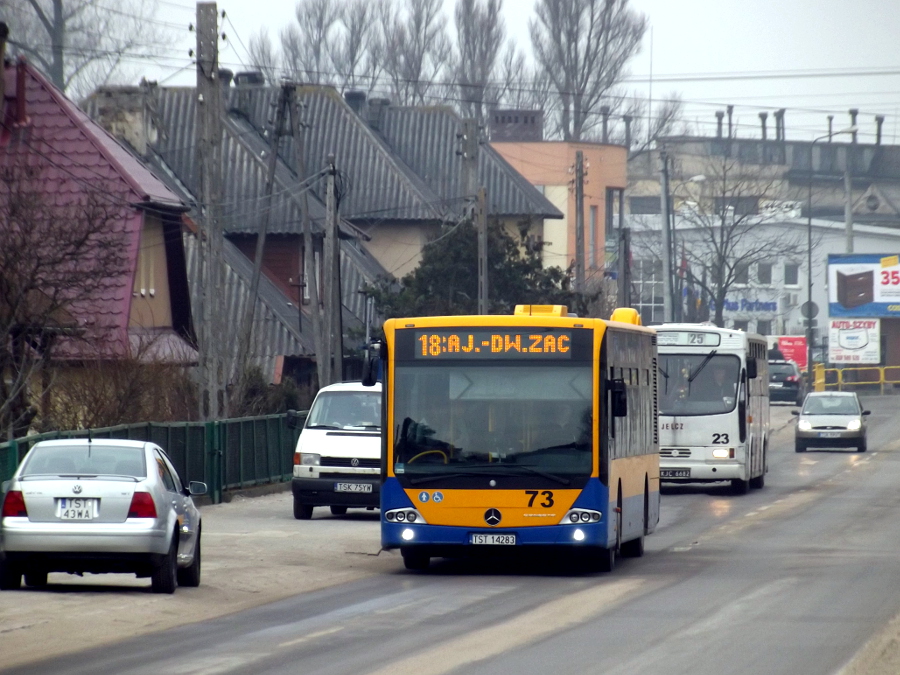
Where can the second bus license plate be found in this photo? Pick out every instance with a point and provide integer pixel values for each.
(674, 473)
(496, 539)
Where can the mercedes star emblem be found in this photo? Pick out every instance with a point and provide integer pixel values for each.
(492, 517)
(354, 462)
(77, 489)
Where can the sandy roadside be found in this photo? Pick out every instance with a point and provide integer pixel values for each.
(254, 552)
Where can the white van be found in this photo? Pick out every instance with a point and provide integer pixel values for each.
(337, 462)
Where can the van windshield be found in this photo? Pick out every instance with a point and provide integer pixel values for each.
(346, 410)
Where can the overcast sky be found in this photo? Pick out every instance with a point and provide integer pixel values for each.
(808, 56)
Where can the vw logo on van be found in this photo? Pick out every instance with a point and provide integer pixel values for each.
(492, 517)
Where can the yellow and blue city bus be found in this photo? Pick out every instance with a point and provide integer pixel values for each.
(505, 433)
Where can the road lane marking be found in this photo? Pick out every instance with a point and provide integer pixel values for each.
(551, 617)
(312, 636)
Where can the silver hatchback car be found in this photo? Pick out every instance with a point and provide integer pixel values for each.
(831, 419)
(99, 506)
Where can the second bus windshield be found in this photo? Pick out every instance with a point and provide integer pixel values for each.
(697, 384)
(449, 419)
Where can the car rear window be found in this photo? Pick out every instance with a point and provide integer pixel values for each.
(85, 460)
(781, 369)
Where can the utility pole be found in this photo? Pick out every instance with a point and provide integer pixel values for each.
(848, 203)
(579, 222)
(333, 300)
(481, 225)
(623, 268)
(210, 246)
(476, 196)
(242, 357)
(666, 238)
(310, 273)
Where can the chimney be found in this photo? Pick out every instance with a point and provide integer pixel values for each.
(627, 120)
(762, 118)
(225, 77)
(730, 110)
(21, 112)
(879, 120)
(779, 124)
(377, 111)
(356, 100)
(853, 113)
(719, 116)
(604, 111)
(830, 125)
(125, 112)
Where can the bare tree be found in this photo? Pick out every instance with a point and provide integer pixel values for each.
(416, 49)
(479, 38)
(583, 47)
(520, 85)
(306, 45)
(722, 230)
(81, 44)
(264, 56)
(62, 249)
(648, 126)
(356, 48)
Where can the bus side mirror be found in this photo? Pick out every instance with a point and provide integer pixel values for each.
(371, 362)
(619, 399)
(751, 369)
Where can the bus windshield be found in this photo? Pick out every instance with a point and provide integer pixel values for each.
(493, 420)
(697, 384)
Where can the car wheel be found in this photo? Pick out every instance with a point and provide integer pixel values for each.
(799, 446)
(36, 579)
(415, 560)
(10, 576)
(302, 511)
(190, 576)
(338, 510)
(163, 579)
(861, 447)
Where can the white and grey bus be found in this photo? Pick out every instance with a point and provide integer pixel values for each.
(713, 405)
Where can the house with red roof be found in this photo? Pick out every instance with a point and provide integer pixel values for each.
(94, 267)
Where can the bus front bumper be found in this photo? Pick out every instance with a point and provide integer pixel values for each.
(700, 472)
(450, 541)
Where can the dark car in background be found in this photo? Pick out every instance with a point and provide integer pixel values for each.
(786, 383)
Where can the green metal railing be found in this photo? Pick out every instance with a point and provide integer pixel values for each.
(226, 455)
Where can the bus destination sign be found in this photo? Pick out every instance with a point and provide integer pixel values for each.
(685, 338)
(493, 343)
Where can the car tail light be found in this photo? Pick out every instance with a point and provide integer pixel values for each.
(14, 505)
(142, 506)
(791, 378)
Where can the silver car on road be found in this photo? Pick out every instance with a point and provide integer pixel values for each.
(99, 506)
(831, 419)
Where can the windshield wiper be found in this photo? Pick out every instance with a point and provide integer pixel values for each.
(702, 365)
(321, 426)
(538, 472)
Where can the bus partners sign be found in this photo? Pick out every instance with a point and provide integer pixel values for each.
(854, 341)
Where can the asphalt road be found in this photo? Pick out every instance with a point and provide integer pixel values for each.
(798, 577)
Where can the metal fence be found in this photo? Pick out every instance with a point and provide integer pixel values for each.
(226, 455)
(881, 379)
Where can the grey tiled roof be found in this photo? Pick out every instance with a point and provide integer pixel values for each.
(426, 140)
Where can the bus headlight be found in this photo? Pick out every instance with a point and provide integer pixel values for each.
(804, 425)
(578, 535)
(581, 516)
(723, 453)
(408, 534)
(404, 516)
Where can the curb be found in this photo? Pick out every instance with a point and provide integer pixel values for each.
(245, 493)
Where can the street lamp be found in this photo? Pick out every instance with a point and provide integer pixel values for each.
(809, 305)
